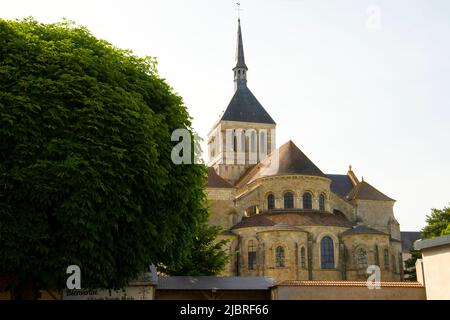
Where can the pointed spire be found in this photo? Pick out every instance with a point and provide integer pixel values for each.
(240, 59)
(240, 70)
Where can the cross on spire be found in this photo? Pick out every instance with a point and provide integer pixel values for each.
(239, 10)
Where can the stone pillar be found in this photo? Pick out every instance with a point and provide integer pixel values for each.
(377, 256)
(310, 257)
(342, 260)
(296, 260)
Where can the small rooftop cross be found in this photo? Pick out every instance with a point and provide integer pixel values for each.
(239, 9)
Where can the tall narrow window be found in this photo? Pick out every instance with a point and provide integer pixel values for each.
(270, 202)
(279, 257)
(235, 142)
(386, 259)
(262, 144)
(303, 258)
(327, 253)
(322, 202)
(253, 141)
(361, 259)
(307, 200)
(288, 200)
(394, 264)
(251, 255)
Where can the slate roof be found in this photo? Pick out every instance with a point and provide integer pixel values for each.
(365, 191)
(211, 282)
(340, 184)
(363, 230)
(216, 181)
(291, 161)
(408, 238)
(292, 217)
(244, 107)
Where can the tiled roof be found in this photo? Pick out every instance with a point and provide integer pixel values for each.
(290, 161)
(293, 217)
(363, 230)
(319, 283)
(364, 191)
(216, 181)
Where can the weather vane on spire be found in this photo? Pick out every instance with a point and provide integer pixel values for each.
(239, 10)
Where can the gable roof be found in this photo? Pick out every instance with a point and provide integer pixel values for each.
(216, 181)
(291, 161)
(244, 107)
(341, 184)
(365, 191)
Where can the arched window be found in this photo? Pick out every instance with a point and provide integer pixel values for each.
(234, 142)
(322, 202)
(288, 200)
(327, 253)
(361, 259)
(386, 259)
(394, 264)
(279, 257)
(270, 202)
(251, 255)
(303, 258)
(307, 200)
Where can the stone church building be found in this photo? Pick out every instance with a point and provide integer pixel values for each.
(283, 216)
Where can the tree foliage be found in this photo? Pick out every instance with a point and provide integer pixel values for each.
(85, 171)
(207, 257)
(438, 224)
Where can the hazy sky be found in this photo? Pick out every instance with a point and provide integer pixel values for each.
(355, 82)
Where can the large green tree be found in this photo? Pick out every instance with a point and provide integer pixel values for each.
(86, 176)
(438, 223)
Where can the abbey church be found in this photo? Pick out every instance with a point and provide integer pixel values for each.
(283, 216)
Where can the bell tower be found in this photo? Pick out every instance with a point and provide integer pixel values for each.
(245, 133)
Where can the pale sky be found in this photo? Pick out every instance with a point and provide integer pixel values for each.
(355, 82)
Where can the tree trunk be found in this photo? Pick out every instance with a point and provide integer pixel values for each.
(26, 290)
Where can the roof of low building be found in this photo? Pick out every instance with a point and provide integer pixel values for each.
(346, 283)
(214, 283)
(408, 238)
(363, 230)
(433, 242)
(216, 181)
(365, 191)
(293, 217)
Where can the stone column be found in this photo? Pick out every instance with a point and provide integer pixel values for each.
(310, 257)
